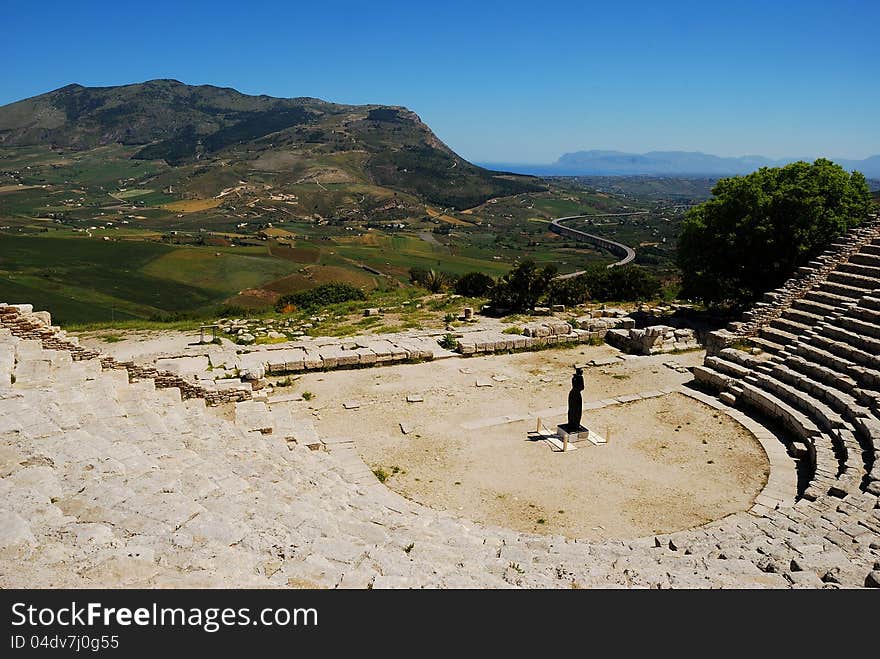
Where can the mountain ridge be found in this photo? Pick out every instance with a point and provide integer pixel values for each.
(185, 125)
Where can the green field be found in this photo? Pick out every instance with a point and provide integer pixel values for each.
(219, 270)
(96, 242)
(80, 279)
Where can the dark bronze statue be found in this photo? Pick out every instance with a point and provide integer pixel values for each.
(575, 402)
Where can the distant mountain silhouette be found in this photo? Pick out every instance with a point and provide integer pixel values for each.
(672, 163)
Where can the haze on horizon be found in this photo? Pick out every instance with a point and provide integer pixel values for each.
(500, 81)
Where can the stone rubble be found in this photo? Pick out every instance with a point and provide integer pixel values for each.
(652, 340)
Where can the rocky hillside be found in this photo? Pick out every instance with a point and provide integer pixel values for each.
(185, 125)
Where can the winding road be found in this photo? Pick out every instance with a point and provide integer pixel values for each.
(626, 253)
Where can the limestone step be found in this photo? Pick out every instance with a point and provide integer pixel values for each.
(818, 309)
(722, 365)
(32, 372)
(854, 280)
(844, 403)
(766, 367)
(865, 258)
(765, 344)
(862, 269)
(804, 318)
(869, 427)
(771, 405)
(845, 351)
(870, 302)
(7, 364)
(822, 455)
(827, 298)
(824, 367)
(872, 249)
(712, 379)
(739, 357)
(780, 337)
(846, 452)
(858, 326)
(841, 290)
(859, 341)
(863, 313)
(253, 416)
(800, 392)
(790, 325)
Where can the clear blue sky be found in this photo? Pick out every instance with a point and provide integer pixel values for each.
(499, 81)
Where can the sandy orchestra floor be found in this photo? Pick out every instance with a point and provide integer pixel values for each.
(671, 462)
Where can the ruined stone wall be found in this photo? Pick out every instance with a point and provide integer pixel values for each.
(25, 323)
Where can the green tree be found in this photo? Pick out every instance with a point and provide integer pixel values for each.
(757, 229)
(521, 288)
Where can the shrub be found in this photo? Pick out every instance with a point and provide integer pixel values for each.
(435, 281)
(627, 283)
(449, 342)
(474, 284)
(171, 316)
(320, 296)
(521, 288)
(438, 281)
(233, 311)
(417, 275)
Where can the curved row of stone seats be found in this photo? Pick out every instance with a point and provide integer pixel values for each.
(824, 359)
(806, 396)
(786, 389)
(826, 298)
(792, 323)
(804, 314)
(830, 368)
(791, 409)
(861, 342)
(116, 484)
(742, 377)
(845, 351)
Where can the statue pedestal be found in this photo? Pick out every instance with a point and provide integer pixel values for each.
(570, 435)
